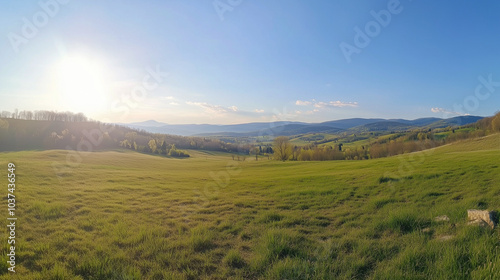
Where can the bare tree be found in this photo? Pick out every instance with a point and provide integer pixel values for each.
(282, 148)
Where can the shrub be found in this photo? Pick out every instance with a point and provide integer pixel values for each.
(177, 153)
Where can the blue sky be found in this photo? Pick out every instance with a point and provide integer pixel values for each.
(235, 61)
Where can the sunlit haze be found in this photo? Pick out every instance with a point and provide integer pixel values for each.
(81, 84)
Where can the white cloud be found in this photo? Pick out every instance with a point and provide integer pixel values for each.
(234, 108)
(302, 103)
(174, 103)
(320, 104)
(167, 97)
(259, 111)
(444, 111)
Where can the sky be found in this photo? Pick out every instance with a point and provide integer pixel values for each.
(238, 61)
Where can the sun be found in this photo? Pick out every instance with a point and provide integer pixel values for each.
(81, 84)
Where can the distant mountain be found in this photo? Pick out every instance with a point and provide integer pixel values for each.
(282, 130)
(383, 126)
(417, 122)
(209, 129)
(350, 123)
(150, 123)
(294, 128)
(461, 120)
(401, 125)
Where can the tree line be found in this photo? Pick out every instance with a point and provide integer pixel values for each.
(399, 143)
(44, 116)
(27, 130)
(159, 146)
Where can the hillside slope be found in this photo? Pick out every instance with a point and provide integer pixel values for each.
(134, 216)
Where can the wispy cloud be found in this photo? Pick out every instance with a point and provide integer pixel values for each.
(213, 109)
(259, 111)
(335, 104)
(438, 110)
(329, 104)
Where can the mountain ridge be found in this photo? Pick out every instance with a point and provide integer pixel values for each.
(290, 128)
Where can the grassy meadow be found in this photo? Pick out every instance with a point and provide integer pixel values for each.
(127, 215)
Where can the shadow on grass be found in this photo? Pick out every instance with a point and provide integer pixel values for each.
(384, 179)
(495, 217)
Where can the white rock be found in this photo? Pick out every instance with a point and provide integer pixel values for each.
(480, 217)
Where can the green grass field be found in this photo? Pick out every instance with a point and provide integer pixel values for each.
(126, 215)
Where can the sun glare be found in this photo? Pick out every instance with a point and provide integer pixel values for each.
(81, 84)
